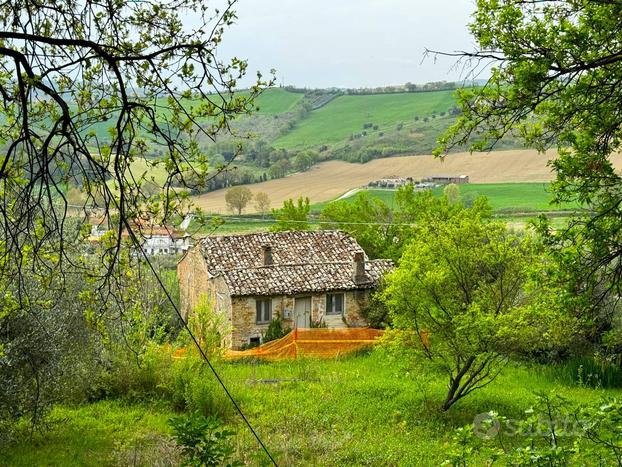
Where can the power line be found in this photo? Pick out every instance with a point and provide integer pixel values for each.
(136, 242)
(314, 222)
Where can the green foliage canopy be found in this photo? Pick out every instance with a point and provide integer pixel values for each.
(292, 216)
(556, 69)
(461, 286)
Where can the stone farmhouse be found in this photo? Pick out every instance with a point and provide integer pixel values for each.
(447, 179)
(303, 278)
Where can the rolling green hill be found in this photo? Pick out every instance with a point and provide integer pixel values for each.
(277, 100)
(346, 115)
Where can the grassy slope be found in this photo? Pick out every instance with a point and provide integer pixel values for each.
(277, 100)
(346, 115)
(270, 102)
(364, 410)
(104, 433)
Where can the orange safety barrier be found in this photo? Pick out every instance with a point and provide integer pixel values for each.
(316, 342)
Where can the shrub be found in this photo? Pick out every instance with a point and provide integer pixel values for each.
(552, 432)
(204, 441)
(209, 327)
(191, 386)
(275, 330)
(588, 372)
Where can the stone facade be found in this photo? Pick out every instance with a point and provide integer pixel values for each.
(245, 327)
(193, 279)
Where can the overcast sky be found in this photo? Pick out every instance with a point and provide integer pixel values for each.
(350, 43)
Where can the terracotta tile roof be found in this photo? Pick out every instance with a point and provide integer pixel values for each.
(303, 262)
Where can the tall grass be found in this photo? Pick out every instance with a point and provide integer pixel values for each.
(587, 372)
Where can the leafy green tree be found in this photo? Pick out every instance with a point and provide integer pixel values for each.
(459, 285)
(555, 70)
(452, 193)
(237, 198)
(382, 230)
(279, 168)
(366, 218)
(292, 216)
(262, 203)
(304, 160)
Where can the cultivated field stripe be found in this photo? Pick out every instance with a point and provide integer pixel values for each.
(328, 180)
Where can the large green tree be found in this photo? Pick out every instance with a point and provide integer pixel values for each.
(292, 216)
(556, 68)
(461, 286)
(382, 230)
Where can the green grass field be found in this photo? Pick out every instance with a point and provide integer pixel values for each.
(346, 115)
(368, 409)
(277, 100)
(503, 197)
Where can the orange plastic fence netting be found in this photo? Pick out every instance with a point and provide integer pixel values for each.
(324, 343)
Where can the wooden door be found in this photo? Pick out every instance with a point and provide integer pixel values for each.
(302, 312)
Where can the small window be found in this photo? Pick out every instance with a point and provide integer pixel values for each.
(254, 342)
(334, 303)
(264, 311)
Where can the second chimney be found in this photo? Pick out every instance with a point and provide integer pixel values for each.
(358, 270)
(267, 255)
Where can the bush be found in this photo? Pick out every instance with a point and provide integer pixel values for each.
(191, 386)
(204, 441)
(275, 330)
(552, 432)
(209, 327)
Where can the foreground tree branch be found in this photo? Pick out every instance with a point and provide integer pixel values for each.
(87, 88)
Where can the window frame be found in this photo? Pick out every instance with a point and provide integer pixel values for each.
(330, 299)
(261, 303)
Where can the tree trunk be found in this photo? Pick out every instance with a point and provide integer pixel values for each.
(454, 393)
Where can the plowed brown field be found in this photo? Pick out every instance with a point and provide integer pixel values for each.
(329, 180)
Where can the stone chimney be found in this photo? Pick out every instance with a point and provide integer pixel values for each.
(267, 255)
(358, 269)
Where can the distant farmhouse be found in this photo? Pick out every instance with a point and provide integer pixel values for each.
(394, 181)
(155, 240)
(447, 179)
(391, 182)
(303, 278)
(164, 241)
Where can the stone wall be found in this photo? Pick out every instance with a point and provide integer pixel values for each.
(194, 284)
(243, 312)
